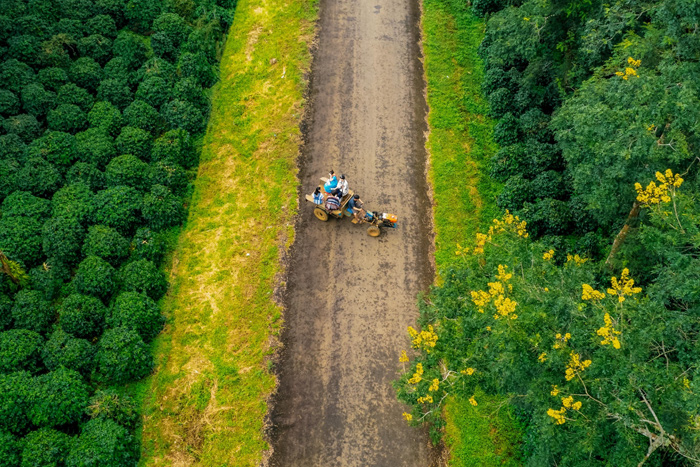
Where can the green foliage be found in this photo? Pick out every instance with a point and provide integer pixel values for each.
(134, 141)
(87, 174)
(106, 117)
(115, 91)
(138, 312)
(20, 238)
(106, 243)
(170, 175)
(15, 75)
(122, 356)
(117, 207)
(86, 73)
(173, 26)
(38, 176)
(141, 13)
(153, 90)
(36, 100)
(82, 315)
(9, 450)
(103, 443)
(109, 405)
(127, 170)
(96, 47)
(56, 147)
(181, 114)
(62, 237)
(95, 276)
(129, 47)
(141, 115)
(52, 78)
(45, 447)
(189, 90)
(103, 25)
(148, 245)
(64, 350)
(143, 276)
(95, 147)
(14, 400)
(24, 204)
(58, 398)
(20, 350)
(157, 67)
(67, 117)
(162, 209)
(73, 94)
(9, 102)
(32, 311)
(49, 277)
(5, 311)
(25, 126)
(175, 146)
(74, 201)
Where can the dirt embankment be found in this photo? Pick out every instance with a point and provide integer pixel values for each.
(349, 296)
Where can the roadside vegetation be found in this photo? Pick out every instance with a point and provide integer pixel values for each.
(101, 107)
(207, 401)
(576, 306)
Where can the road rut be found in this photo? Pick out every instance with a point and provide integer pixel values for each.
(350, 297)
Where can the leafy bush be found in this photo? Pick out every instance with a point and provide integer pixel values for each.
(15, 75)
(175, 146)
(143, 276)
(38, 176)
(83, 173)
(36, 100)
(148, 245)
(157, 67)
(134, 141)
(73, 94)
(14, 401)
(25, 48)
(102, 24)
(505, 132)
(96, 47)
(49, 277)
(24, 204)
(5, 311)
(141, 115)
(32, 311)
(82, 315)
(162, 209)
(169, 174)
(115, 91)
(501, 102)
(62, 238)
(189, 90)
(67, 117)
(163, 46)
(130, 48)
(138, 312)
(516, 191)
(118, 207)
(25, 126)
(56, 147)
(106, 117)
(73, 201)
(58, 398)
(20, 238)
(12, 148)
(95, 276)
(20, 350)
(106, 243)
(181, 114)
(9, 450)
(95, 147)
(153, 90)
(86, 73)
(172, 26)
(9, 103)
(550, 184)
(52, 78)
(103, 443)
(109, 405)
(45, 447)
(196, 66)
(127, 170)
(122, 356)
(547, 217)
(141, 13)
(64, 350)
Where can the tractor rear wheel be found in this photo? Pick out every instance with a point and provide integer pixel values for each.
(321, 214)
(374, 231)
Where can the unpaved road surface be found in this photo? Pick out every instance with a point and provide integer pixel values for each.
(349, 296)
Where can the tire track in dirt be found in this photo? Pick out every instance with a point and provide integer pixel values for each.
(349, 296)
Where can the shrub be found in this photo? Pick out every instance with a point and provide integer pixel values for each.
(157, 67)
(36, 100)
(547, 217)
(86, 174)
(551, 184)
(516, 191)
(62, 349)
(102, 24)
(103, 443)
(82, 315)
(181, 114)
(49, 277)
(45, 447)
(39, 177)
(20, 350)
(153, 90)
(25, 126)
(95, 276)
(9, 103)
(143, 116)
(196, 66)
(141, 13)
(25, 48)
(24, 204)
(115, 91)
(163, 47)
(32, 311)
(169, 174)
(173, 26)
(96, 47)
(58, 398)
(20, 239)
(189, 90)
(509, 161)
(122, 356)
(14, 401)
(5, 311)
(13, 148)
(8, 169)
(106, 117)
(55, 50)
(52, 78)
(109, 405)
(484, 7)
(118, 207)
(130, 48)
(143, 276)
(505, 132)
(67, 117)
(203, 39)
(56, 147)
(175, 146)
(73, 94)
(136, 311)
(106, 243)
(73, 201)
(500, 102)
(134, 141)
(113, 8)
(86, 73)
(127, 170)
(161, 209)
(77, 9)
(15, 75)
(62, 239)
(118, 68)
(95, 146)
(535, 124)
(9, 450)
(148, 245)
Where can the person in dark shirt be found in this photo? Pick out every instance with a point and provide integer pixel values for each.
(333, 201)
(358, 208)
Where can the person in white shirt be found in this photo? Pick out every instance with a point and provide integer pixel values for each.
(343, 186)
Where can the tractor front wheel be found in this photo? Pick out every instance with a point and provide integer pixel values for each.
(374, 231)
(321, 214)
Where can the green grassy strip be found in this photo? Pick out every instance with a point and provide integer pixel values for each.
(460, 145)
(206, 402)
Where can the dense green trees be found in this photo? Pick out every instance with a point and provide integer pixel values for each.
(100, 105)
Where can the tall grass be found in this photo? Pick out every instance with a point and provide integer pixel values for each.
(206, 402)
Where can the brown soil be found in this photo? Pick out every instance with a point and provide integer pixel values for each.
(349, 296)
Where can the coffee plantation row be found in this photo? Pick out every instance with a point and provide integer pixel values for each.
(101, 107)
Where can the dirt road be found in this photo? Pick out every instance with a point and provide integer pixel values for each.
(349, 296)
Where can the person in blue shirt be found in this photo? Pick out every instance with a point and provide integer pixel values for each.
(331, 183)
(318, 196)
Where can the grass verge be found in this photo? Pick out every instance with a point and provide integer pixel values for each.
(206, 402)
(460, 145)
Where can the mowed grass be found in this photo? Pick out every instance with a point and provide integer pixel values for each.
(460, 145)
(207, 400)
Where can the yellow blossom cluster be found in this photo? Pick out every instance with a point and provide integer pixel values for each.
(481, 240)
(568, 403)
(548, 255)
(555, 390)
(629, 71)
(575, 366)
(561, 340)
(468, 371)
(423, 339)
(576, 259)
(653, 194)
(609, 333)
(418, 375)
(509, 222)
(589, 293)
(424, 399)
(503, 275)
(472, 401)
(542, 357)
(624, 287)
(407, 416)
(557, 415)
(505, 307)
(434, 385)
(404, 357)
